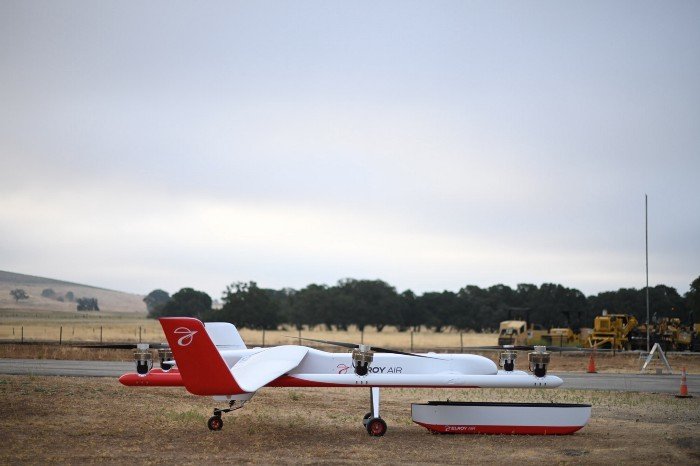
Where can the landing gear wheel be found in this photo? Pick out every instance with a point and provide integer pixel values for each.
(376, 427)
(365, 419)
(215, 423)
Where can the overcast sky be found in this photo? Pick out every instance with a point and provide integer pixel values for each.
(430, 144)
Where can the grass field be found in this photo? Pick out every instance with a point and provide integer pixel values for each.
(96, 420)
(126, 327)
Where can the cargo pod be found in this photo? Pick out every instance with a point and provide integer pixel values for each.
(455, 417)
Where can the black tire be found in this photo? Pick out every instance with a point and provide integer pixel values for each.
(215, 423)
(365, 419)
(376, 427)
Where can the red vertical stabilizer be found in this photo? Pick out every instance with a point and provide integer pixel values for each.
(203, 370)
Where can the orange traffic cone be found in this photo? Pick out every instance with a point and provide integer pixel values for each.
(591, 364)
(684, 386)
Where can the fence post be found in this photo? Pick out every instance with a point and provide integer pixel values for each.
(299, 337)
(139, 334)
(263, 343)
(100, 334)
(362, 336)
(411, 341)
(22, 333)
(461, 342)
(60, 336)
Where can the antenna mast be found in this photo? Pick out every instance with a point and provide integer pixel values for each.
(646, 237)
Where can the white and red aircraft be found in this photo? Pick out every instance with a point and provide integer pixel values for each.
(212, 360)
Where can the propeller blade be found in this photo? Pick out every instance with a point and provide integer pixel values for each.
(385, 350)
(328, 342)
(354, 346)
(524, 348)
(120, 345)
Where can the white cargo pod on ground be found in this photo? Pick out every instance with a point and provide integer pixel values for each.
(501, 418)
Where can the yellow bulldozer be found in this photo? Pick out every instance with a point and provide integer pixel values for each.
(612, 331)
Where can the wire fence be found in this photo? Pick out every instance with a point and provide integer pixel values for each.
(152, 333)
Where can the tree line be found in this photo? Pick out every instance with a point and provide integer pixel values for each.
(375, 303)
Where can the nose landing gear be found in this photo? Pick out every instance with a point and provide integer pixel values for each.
(375, 425)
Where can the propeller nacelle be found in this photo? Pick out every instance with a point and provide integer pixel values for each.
(539, 360)
(507, 358)
(362, 356)
(143, 358)
(166, 357)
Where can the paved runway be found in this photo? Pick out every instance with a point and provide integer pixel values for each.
(574, 380)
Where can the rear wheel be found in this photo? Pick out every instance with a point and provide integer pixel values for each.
(215, 423)
(376, 427)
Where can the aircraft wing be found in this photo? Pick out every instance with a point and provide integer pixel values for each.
(258, 370)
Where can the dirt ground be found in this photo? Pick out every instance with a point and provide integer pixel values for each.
(70, 420)
(568, 362)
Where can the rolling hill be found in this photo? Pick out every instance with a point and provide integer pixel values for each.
(109, 300)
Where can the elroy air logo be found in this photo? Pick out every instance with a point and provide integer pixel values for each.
(187, 335)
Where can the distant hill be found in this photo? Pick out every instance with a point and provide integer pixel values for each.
(108, 300)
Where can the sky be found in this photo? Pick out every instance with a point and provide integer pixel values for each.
(170, 144)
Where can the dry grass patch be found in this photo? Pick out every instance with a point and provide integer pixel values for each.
(69, 420)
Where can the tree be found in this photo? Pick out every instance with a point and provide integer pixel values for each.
(438, 309)
(48, 293)
(247, 305)
(368, 302)
(692, 299)
(664, 301)
(410, 316)
(187, 302)
(19, 294)
(88, 304)
(311, 306)
(155, 301)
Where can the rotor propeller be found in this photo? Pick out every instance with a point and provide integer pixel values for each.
(526, 348)
(122, 345)
(343, 344)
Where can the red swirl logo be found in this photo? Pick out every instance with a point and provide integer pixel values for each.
(343, 368)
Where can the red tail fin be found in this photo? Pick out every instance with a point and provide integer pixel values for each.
(203, 370)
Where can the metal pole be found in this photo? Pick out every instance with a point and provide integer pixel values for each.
(362, 336)
(646, 244)
(139, 334)
(60, 336)
(461, 342)
(263, 344)
(411, 341)
(299, 337)
(100, 334)
(23, 334)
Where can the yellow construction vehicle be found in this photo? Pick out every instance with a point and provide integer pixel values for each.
(612, 331)
(516, 332)
(669, 332)
(673, 335)
(560, 337)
